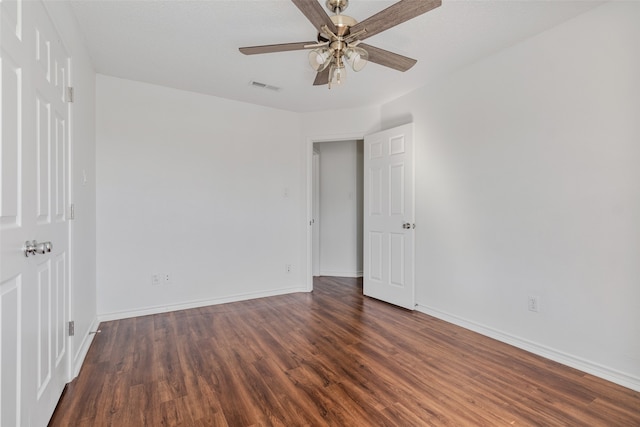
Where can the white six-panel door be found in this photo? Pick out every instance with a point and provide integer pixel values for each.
(33, 206)
(389, 216)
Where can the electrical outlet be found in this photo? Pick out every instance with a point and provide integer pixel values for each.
(166, 277)
(156, 279)
(533, 303)
(287, 268)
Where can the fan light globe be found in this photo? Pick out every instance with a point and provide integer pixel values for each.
(319, 59)
(357, 57)
(337, 75)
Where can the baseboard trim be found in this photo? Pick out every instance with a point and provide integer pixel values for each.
(579, 363)
(106, 317)
(356, 274)
(83, 349)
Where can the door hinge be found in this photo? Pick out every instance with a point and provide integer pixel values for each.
(72, 211)
(70, 94)
(72, 328)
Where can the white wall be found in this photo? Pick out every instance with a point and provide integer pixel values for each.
(340, 220)
(340, 125)
(202, 188)
(83, 191)
(528, 184)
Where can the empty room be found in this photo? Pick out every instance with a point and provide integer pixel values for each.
(310, 212)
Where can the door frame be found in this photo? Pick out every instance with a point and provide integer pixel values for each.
(308, 153)
(315, 225)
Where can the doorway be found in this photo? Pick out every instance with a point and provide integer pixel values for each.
(337, 208)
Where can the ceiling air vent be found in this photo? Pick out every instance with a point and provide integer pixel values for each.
(264, 86)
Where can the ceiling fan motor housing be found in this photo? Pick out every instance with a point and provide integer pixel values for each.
(343, 23)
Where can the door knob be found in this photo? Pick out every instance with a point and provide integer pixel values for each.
(408, 226)
(44, 247)
(33, 248)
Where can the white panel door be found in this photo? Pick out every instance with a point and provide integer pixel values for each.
(389, 216)
(34, 160)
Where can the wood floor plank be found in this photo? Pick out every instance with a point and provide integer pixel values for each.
(332, 357)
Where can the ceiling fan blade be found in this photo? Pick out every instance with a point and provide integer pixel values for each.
(395, 14)
(322, 78)
(315, 14)
(269, 48)
(388, 59)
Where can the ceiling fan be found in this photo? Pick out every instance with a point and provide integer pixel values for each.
(340, 38)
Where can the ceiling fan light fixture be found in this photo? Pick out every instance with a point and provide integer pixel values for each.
(337, 74)
(320, 58)
(339, 36)
(357, 57)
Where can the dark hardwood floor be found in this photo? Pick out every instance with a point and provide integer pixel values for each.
(332, 357)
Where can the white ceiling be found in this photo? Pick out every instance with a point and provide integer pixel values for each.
(193, 45)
